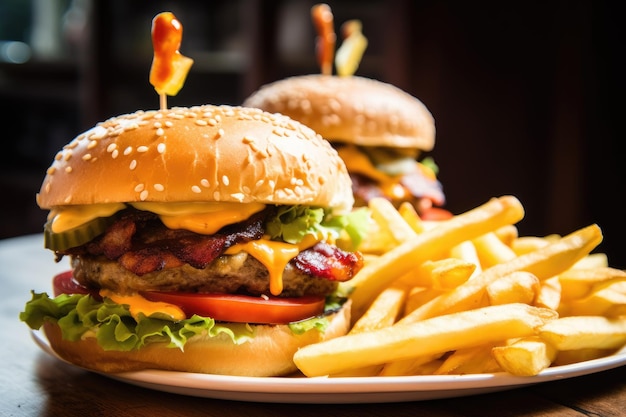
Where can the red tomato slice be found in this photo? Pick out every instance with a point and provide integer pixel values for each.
(242, 308)
(435, 214)
(64, 283)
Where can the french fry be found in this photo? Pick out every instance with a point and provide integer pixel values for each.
(593, 260)
(431, 244)
(507, 234)
(549, 295)
(525, 357)
(526, 244)
(609, 301)
(443, 274)
(491, 250)
(566, 357)
(476, 360)
(378, 241)
(466, 251)
(582, 332)
(412, 366)
(418, 296)
(579, 283)
(516, 287)
(410, 216)
(427, 337)
(383, 312)
(383, 212)
(544, 263)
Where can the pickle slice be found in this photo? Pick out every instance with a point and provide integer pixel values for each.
(76, 236)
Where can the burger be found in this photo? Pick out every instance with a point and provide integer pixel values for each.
(379, 130)
(203, 239)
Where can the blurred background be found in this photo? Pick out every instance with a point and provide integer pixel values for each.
(527, 96)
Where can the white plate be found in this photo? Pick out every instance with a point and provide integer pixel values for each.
(345, 390)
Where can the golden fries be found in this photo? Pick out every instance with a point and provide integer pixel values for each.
(517, 287)
(384, 213)
(581, 332)
(433, 336)
(525, 357)
(491, 250)
(383, 312)
(476, 360)
(444, 274)
(431, 244)
(469, 295)
(543, 263)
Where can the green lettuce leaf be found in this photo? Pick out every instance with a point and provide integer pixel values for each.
(292, 223)
(116, 329)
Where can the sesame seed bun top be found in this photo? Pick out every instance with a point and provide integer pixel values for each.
(351, 109)
(204, 153)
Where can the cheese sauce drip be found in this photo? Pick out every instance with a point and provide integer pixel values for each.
(274, 256)
(139, 305)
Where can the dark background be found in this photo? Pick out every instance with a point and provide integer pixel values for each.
(527, 96)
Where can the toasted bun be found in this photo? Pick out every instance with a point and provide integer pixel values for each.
(204, 153)
(269, 353)
(351, 109)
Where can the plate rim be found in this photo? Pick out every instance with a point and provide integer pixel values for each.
(333, 390)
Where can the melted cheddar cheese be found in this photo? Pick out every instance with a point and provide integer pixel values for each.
(139, 305)
(274, 256)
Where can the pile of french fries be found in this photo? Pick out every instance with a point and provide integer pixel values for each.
(469, 295)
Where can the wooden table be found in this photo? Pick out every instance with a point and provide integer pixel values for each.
(32, 383)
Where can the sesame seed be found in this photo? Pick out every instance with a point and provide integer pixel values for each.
(196, 189)
(157, 125)
(51, 170)
(48, 187)
(115, 153)
(205, 183)
(133, 164)
(139, 188)
(220, 133)
(201, 122)
(212, 122)
(111, 147)
(225, 180)
(68, 169)
(168, 123)
(259, 183)
(128, 150)
(142, 149)
(86, 157)
(92, 144)
(143, 195)
(131, 126)
(160, 132)
(161, 147)
(216, 196)
(67, 155)
(159, 187)
(237, 196)
(68, 199)
(245, 189)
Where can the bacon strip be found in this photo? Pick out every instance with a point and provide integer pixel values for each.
(330, 262)
(141, 244)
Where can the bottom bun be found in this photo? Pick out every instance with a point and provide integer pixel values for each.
(269, 353)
